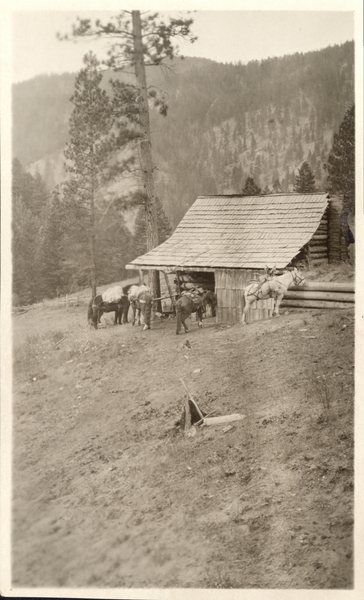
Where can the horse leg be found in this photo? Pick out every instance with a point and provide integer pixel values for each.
(89, 313)
(199, 317)
(133, 310)
(246, 306)
(249, 301)
(181, 316)
(183, 319)
(142, 316)
(178, 319)
(125, 313)
(147, 314)
(95, 319)
(184, 324)
(279, 298)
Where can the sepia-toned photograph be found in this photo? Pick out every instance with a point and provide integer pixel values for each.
(181, 203)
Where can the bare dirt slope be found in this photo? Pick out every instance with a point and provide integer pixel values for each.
(108, 492)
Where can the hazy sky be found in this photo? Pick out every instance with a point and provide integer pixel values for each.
(224, 35)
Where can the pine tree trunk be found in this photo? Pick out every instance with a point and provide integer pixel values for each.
(146, 157)
(93, 241)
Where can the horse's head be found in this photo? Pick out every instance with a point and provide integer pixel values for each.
(270, 271)
(298, 277)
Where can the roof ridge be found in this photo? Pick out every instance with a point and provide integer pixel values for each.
(318, 193)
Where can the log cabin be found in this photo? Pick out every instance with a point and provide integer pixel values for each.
(225, 242)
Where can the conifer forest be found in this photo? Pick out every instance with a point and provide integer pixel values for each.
(214, 128)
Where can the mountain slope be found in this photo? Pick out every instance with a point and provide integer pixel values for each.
(225, 122)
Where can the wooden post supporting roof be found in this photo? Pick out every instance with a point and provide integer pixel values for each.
(173, 300)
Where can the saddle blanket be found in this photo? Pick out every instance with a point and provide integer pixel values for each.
(113, 294)
(136, 290)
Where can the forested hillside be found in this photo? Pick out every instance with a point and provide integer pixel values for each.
(225, 122)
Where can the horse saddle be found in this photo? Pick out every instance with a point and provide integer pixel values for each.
(258, 292)
(194, 295)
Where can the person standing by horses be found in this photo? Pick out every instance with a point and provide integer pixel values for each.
(141, 300)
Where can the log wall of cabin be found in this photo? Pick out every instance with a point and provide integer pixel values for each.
(338, 231)
(317, 248)
(329, 241)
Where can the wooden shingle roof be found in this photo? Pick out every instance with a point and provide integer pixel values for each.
(246, 232)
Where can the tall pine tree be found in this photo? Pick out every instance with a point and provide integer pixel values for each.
(251, 188)
(341, 161)
(138, 42)
(28, 201)
(52, 248)
(25, 253)
(94, 139)
(305, 180)
(31, 189)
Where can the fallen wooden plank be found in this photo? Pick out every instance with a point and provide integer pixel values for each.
(226, 419)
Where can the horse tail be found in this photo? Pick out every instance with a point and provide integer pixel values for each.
(89, 311)
(178, 317)
(92, 313)
(126, 305)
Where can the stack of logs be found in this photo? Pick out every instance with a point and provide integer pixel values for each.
(315, 294)
(189, 281)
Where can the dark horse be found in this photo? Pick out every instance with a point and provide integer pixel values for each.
(98, 306)
(185, 306)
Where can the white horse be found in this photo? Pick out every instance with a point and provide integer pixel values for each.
(271, 288)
